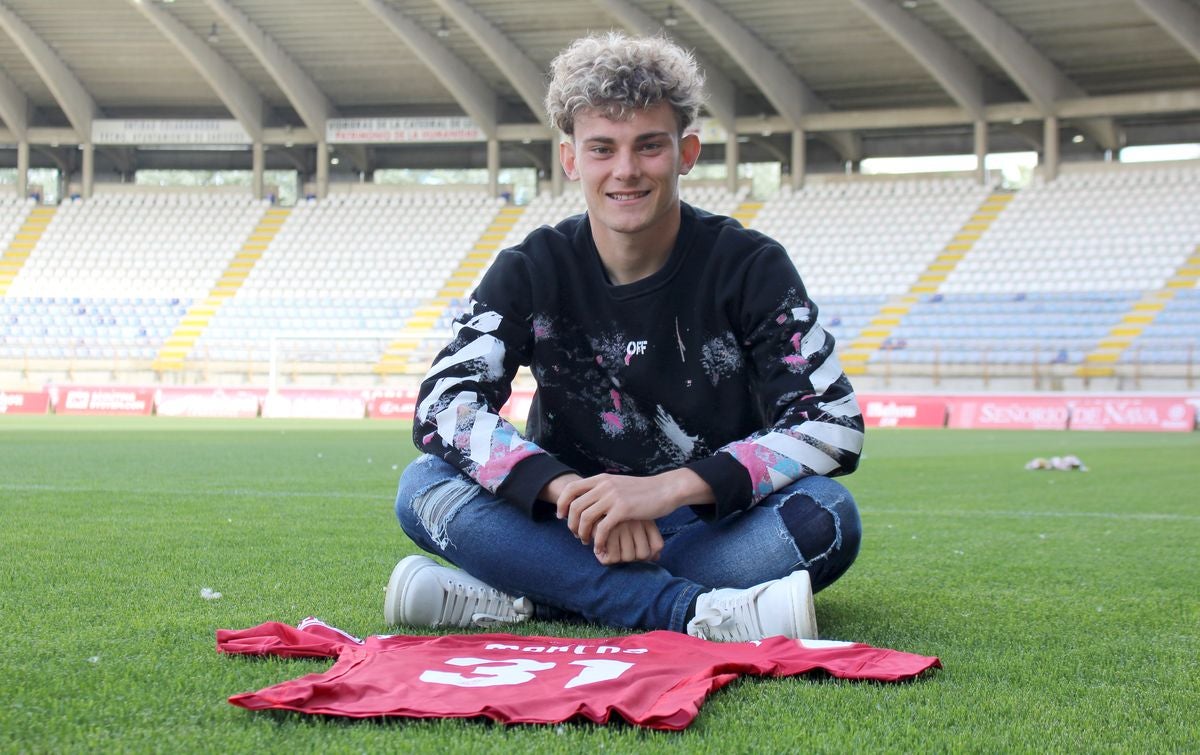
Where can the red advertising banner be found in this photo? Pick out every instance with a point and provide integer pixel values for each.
(207, 402)
(1008, 412)
(24, 402)
(516, 409)
(1148, 413)
(107, 400)
(399, 404)
(902, 411)
(402, 404)
(299, 403)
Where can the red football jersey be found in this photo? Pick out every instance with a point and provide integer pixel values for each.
(657, 679)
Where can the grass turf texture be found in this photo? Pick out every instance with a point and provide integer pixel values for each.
(1064, 605)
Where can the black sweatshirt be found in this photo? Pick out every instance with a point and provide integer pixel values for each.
(716, 363)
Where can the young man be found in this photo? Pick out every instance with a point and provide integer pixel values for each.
(675, 469)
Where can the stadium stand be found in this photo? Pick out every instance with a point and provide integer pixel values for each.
(124, 246)
(109, 278)
(22, 223)
(1075, 257)
(1115, 230)
(1049, 276)
(868, 238)
(861, 246)
(910, 273)
(347, 274)
(1174, 336)
(12, 213)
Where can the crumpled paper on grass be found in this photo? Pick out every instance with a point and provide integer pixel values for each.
(1066, 463)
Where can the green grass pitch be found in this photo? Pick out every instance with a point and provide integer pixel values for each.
(1064, 605)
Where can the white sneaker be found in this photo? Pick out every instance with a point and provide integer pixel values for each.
(781, 606)
(422, 593)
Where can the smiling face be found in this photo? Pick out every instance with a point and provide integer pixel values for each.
(629, 170)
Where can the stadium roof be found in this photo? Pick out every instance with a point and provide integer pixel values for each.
(864, 77)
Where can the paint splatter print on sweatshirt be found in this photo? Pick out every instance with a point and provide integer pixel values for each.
(716, 362)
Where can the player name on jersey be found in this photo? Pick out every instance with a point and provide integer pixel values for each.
(656, 679)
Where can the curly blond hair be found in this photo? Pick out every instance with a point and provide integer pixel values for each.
(617, 75)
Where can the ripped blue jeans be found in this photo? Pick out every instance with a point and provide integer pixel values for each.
(449, 515)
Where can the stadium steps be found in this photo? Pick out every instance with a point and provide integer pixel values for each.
(22, 244)
(854, 358)
(398, 357)
(1100, 362)
(177, 346)
(747, 212)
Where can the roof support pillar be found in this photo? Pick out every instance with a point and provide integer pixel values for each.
(322, 169)
(799, 159)
(981, 149)
(493, 166)
(88, 169)
(731, 162)
(22, 169)
(258, 155)
(1050, 149)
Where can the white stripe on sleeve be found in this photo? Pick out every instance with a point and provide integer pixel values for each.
(481, 437)
(826, 375)
(434, 396)
(485, 322)
(778, 479)
(813, 340)
(488, 347)
(838, 436)
(846, 406)
(813, 458)
(447, 419)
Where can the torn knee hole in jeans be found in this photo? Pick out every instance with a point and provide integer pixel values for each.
(436, 506)
(799, 525)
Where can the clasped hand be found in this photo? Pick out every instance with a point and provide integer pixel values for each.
(616, 514)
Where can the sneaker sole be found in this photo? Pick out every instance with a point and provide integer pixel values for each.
(393, 601)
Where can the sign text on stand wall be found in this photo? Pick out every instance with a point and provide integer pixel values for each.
(99, 399)
(24, 402)
(898, 410)
(982, 412)
(401, 130)
(315, 403)
(230, 403)
(190, 131)
(1149, 413)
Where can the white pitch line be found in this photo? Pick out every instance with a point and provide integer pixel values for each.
(1149, 517)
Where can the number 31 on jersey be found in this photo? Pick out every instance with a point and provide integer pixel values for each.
(509, 671)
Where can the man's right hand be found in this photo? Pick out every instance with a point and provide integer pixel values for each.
(555, 487)
(631, 540)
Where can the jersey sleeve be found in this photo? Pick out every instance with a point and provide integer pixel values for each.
(458, 408)
(843, 660)
(815, 425)
(311, 639)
